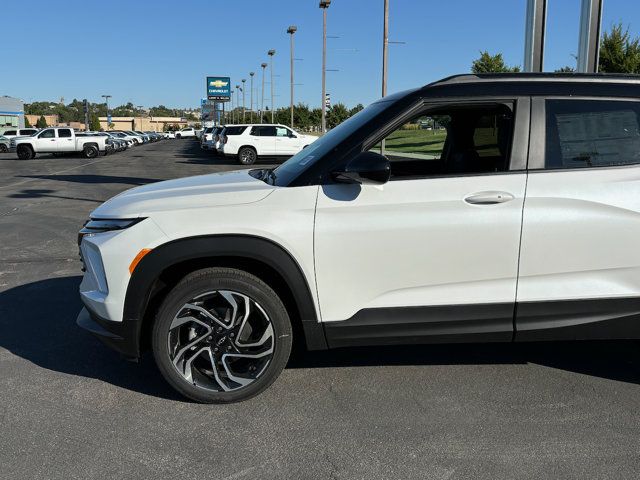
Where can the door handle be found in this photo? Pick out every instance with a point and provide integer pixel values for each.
(488, 198)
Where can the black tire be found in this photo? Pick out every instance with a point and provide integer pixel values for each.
(247, 156)
(194, 286)
(178, 136)
(90, 151)
(3, 148)
(25, 152)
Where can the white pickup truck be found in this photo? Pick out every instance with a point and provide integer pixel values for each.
(59, 140)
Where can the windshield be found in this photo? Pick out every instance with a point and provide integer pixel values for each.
(306, 157)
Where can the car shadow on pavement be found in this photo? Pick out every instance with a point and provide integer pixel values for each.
(90, 179)
(37, 323)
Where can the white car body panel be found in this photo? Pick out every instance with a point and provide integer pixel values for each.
(580, 235)
(416, 243)
(206, 205)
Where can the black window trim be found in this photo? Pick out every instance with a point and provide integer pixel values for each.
(536, 162)
(518, 151)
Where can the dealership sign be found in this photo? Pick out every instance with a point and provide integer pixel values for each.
(219, 89)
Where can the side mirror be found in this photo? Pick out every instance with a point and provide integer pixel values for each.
(365, 168)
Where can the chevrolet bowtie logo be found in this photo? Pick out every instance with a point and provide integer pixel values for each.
(218, 83)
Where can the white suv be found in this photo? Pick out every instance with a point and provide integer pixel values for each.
(505, 209)
(249, 142)
(186, 133)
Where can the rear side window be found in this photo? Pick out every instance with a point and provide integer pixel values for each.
(64, 133)
(591, 133)
(234, 130)
(263, 131)
(27, 132)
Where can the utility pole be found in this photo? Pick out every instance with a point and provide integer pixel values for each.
(291, 30)
(244, 83)
(264, 66)
(139, 107)
(106, 98)
(251, 74)
(233, 115)
(324, 4)
(238, 100)
(271, 53)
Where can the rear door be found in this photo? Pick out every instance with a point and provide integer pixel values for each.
(264, 137)
(66, 140)
(580, 258)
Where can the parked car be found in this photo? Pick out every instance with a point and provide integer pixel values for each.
(13, 132)
(516, 222)
(169, 134)
(207, 134)
(123, 136)
(186, 133)
(211, 139)
(4, 144)
(250, 142)
(59, 140)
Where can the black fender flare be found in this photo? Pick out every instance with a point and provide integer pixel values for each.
(260, 249)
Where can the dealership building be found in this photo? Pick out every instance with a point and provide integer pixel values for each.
(11, 112)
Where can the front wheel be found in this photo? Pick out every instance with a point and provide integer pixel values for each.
(25, 152)
(178, 136)
(221, 335)
(247, 156)
(3, 148)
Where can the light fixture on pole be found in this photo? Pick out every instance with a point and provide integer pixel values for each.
(324, 4)
(271, 53)
(291, 30)
(106, 98)
(251, 74)
(244, 82)
(264, 66)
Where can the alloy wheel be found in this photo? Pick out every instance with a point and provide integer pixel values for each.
(221, 340)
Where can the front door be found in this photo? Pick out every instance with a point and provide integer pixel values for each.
(46, 141)
(433, 253)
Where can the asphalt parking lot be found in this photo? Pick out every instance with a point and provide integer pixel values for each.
(71, 408)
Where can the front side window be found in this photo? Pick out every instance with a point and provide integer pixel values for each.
(455, 140)
(48, 133)
(591, 133)
(64, 133)
(282, 132)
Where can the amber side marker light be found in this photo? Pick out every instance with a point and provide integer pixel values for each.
(136, 260)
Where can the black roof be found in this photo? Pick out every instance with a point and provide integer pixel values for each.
(561, 84)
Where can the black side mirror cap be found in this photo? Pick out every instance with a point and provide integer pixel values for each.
(365, 168)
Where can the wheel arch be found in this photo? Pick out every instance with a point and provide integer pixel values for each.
(165, 265)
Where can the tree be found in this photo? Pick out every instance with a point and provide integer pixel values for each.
(94, 122)
(356, 109)
(336, 115)
(41, 123)
(619, 53)
(27, 123)
(488, 63)
(565, 69)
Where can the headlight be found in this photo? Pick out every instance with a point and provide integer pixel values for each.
(94, 226)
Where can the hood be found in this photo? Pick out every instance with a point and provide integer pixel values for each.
(218, 189)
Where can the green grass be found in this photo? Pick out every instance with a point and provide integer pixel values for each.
(431, 142)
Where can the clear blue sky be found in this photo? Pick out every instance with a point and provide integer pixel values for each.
(159, 52)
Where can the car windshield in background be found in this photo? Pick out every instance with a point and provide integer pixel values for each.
(306, 157)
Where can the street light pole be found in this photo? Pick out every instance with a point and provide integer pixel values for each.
(385, 47)
(233, 115)
(264, 66)
(271, 53)
(244, 83)
(139, 107)
(291, 30)
(107, 97)
(251, 74)
(324, 4)
(238, 100)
